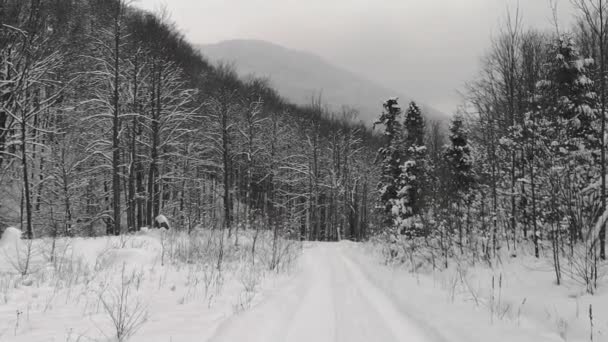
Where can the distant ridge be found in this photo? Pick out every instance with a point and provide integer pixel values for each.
(299, 76)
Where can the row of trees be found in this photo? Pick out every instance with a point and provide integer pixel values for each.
(109, 117)
(526, 157)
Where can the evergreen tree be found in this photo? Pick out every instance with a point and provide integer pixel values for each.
(458, 161)
(390, 156)
(568, 101)
(458, 179)
(569, 145)
(411, 183)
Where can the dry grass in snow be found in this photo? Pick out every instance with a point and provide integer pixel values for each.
(157, 285)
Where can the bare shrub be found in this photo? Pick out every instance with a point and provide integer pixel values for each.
(280, 255)
(250, 278)
(585, 268)
(210, 275)
(126, 313)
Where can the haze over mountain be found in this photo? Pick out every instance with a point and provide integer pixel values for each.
(299, 76)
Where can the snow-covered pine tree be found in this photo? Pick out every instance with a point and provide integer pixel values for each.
(458, 161)
(568, 104)
(410, 188)
(568, 93)
(570, 139)
(459, 177)
(390, 157)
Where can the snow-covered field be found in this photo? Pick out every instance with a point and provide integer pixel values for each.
(154, 286)
(166, 287)
(516, 300)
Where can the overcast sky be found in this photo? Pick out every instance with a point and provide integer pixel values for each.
(424, 48)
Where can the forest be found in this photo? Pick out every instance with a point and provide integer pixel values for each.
(524, 162)
(110, 118)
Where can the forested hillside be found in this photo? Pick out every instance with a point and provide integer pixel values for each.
(299, 76)
(109, 118)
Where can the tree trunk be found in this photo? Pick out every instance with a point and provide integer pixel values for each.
(602, 38)
(116, 125)
(29, 234)
(226, 166)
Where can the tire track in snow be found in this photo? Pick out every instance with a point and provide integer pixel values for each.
(394, 319)
(330, 300)
(314, 318)
(357, 317)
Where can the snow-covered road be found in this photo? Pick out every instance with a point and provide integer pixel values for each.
(329, 300)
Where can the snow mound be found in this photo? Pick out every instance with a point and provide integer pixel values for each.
(162, 222)
(10, 236)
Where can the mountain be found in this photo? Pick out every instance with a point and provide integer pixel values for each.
(299, 76)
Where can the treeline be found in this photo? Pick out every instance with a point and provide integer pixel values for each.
(109, 118)
(525, 163)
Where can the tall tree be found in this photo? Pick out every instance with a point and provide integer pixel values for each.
(594, 15)
(390, 157)
(409, 204)
(458, 160)
(118, 18)
(460, 177)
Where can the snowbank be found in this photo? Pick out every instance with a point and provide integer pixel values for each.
(161, 221)
(10, 236)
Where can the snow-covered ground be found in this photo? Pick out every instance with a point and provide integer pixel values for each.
(155, 286)
(345, 293)
(331, 299)
(515, 300)
(335, 292)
